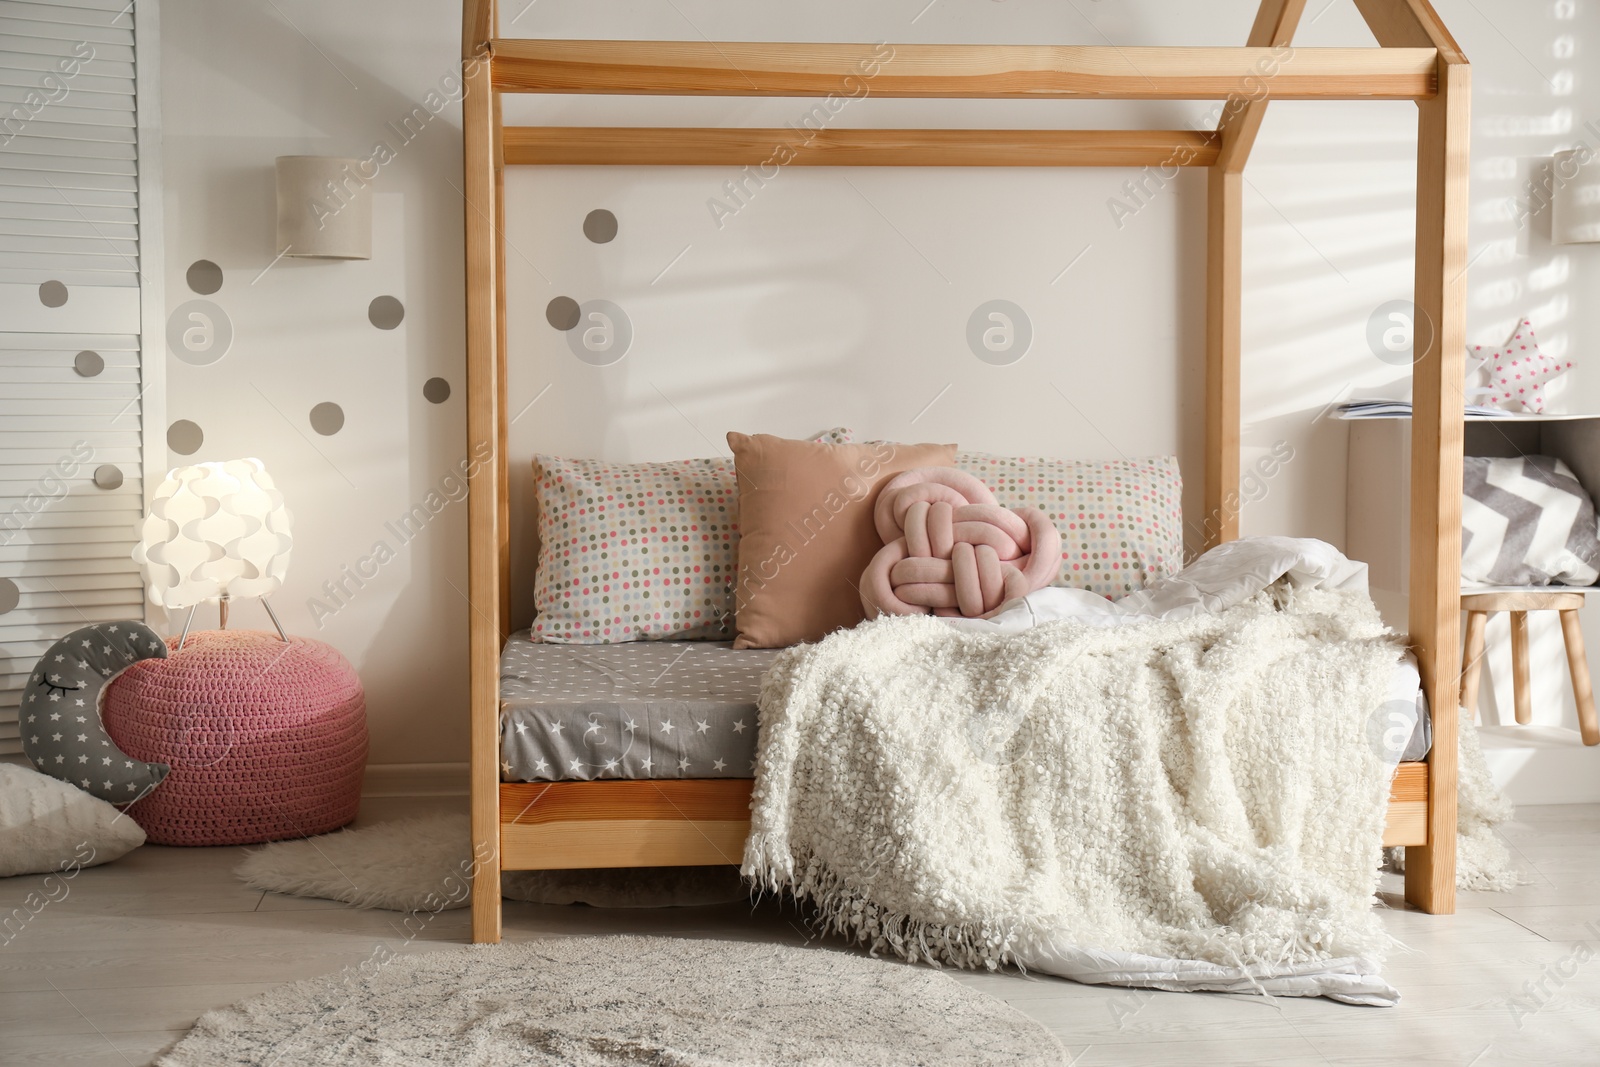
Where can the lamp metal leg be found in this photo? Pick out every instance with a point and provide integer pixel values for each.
(186, 624)
(274, 616)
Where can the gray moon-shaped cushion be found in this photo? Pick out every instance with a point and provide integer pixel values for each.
(60, 711)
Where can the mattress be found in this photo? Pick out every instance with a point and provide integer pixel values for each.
(687, 709)
(645, 709)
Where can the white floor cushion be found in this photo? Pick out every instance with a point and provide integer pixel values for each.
(49, 826)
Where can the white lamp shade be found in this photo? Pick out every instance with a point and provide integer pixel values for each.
(214, 530)
(1575, 200)
(324, 207)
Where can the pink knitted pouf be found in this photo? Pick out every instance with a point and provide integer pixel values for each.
(266, 740)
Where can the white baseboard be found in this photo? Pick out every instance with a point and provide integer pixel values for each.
(1542, 764)
(415, 780)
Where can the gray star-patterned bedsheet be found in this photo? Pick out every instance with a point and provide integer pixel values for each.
(646, 709)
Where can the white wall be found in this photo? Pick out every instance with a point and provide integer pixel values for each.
(832, 297)
(242, 85)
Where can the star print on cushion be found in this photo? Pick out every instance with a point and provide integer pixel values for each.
(1513, 376)
(80, 683)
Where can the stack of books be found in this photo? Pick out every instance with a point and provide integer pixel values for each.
(1391, 409)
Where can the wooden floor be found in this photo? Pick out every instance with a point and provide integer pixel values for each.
(116, 971)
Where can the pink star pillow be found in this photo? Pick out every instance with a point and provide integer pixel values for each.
(1515, 375)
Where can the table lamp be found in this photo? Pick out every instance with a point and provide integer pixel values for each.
(215, 531)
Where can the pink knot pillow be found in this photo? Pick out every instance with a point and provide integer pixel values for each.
(950, 549)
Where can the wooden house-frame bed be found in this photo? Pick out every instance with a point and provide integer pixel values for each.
(614, 823)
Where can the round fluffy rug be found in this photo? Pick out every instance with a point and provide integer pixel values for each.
(593, 1001)
(425, 864)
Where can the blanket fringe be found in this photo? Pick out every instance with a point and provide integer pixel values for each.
(850, 912)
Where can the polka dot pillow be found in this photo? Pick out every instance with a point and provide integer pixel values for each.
(637, 551)
(1121, 521)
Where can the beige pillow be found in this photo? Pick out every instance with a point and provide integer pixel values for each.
(53, 828)
(806, 531)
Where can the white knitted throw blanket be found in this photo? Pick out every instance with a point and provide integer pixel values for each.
(1205, 789)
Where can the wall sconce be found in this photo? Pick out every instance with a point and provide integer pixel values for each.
(1575, 199)
(324, 208)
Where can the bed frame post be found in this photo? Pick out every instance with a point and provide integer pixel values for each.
(1437, 393)
(502, 371)
(1439, 337)
(485, 436)
(1224, 205)
(1236, 130)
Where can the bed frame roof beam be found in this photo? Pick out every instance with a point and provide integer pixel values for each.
(1409, 24)
(694, 68)
(478, 26)
(1241, 119)
(675, 146)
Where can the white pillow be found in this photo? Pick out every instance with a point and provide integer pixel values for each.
(50, 827)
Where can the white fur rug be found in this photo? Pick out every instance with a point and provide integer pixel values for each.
(1482, 860)
(601, 1001)
(425, 864)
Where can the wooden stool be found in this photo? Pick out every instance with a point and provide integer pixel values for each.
(1479, 606)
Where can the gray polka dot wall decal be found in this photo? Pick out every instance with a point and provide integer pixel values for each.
(88, 364)
(204, 277)
(10, 595)
(108, 476)
(52, 294)
(600, 226)
(385, 312)
(436, 390)
(562, 312)
(184, 437)
(327, 418)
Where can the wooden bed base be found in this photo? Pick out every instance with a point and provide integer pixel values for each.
(690, 822)
(693, 822)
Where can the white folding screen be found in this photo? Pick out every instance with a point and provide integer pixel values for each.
(81, 388)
